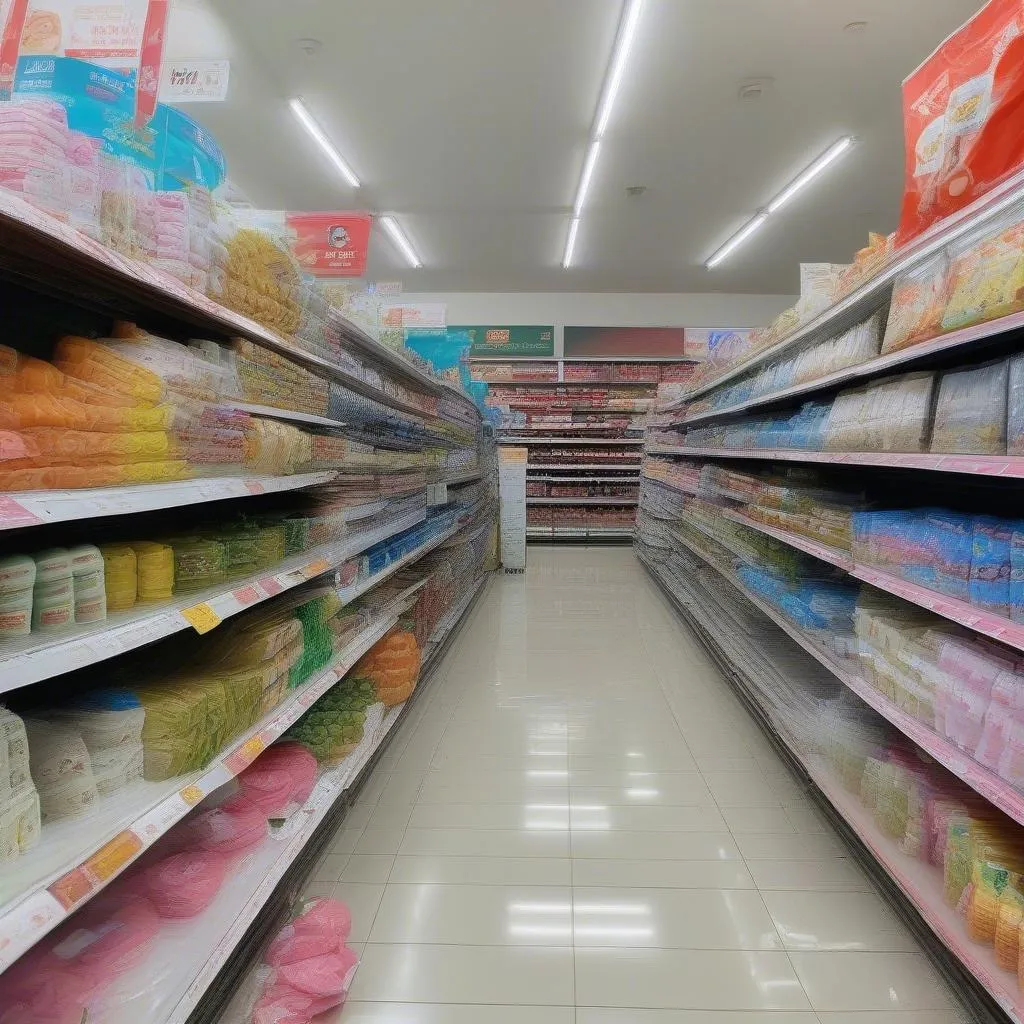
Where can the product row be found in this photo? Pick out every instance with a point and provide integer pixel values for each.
(542, 489)
(597, 372)
(245, 259)
(975, 410)
(569, 517)
(974, 852)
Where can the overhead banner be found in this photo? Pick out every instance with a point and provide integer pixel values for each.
(330, 244)
(12, 22)
(194, 81)
(510, 342)
(623, 342)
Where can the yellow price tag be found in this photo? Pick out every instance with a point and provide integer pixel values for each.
(202, 617)
(318, 567)
(191, 795)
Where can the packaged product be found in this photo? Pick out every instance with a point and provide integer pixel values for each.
(990, 564)
(918, 302)
(53, 598)
(970, 411)
(61, 769)
(959, 109)
(1017, 571)
(17, 583)
(1015, 407)
(88, 582)
(986, 275)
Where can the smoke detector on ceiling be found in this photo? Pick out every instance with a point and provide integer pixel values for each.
(855, 27)
(754, 88)
(310, 47)
(635, 191)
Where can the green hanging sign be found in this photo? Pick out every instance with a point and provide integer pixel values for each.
(509, 342)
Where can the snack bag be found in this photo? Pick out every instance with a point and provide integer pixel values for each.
(961, 109)
(986, 276)
(970, 413)
(918, 301)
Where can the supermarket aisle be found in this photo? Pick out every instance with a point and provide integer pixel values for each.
(580, 814)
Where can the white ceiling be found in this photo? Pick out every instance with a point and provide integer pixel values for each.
(468, 119)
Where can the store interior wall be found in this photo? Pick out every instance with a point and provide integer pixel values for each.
(607, 309)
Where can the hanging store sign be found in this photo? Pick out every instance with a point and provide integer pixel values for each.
(330, 244)
(194, 81)
(623, 342)
(538, 342)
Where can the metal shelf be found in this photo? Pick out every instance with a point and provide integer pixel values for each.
(872, 294)
(33, 508)
(1007, 467)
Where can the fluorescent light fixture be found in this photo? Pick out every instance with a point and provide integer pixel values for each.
(585, 178)
(402, 243)
(800, 182)
(833, 153)
(570, 242)
(737, 240)
(308, 122)
(623, 43)
(628, 21)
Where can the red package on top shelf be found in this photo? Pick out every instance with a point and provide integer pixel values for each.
(963, 109)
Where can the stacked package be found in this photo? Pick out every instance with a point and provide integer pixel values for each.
(308, 966)
(20, 819)
(49, 165)
(333, 726)
(268, 378)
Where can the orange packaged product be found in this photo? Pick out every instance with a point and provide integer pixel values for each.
(918, 301)
(23, 411)
(962, 111)
(22, 374)
(74, 476)
(95, 363)
(48, 446)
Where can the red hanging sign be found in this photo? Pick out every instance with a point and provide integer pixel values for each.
(330, 244)
(150, 56)
(10, 43)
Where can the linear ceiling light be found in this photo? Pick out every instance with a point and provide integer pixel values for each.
(307, 121)
(801, 181)
(402, 243)
(612, 80)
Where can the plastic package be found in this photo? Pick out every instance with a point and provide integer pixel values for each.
(918, 302)
(155, 565)
(990, 564)
(121, 576)
(281, 777)
(970, 412)
(17, 583)
(53, 599)
(61, 770)
(184, 884)
(987, 276)
(87, 570)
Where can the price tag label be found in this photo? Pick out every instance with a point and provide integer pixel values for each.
(317, 568)
(245, 755)
(247, 595)
(271, 586)
(254, 487)
(70, 889)
(191, 795)
(202, 617)
(107, 861)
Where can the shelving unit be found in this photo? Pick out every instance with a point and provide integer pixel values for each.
(754, 607)
(580, 398)
(380, 540)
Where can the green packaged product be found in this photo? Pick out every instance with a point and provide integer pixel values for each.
(199, 562)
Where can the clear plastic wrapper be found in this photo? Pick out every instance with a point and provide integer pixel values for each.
(987, 275)
(970, 411)
(918, 302)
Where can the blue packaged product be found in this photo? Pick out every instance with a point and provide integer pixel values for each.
(990, 564)
(1017, 571)
(954, 540)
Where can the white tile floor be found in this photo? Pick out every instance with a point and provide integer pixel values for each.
(579, 824)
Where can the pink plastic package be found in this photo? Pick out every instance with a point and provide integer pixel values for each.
(231, 828)
(301, 991)
(54, 982)
(184, 884)
(284, 775)
(323, 926)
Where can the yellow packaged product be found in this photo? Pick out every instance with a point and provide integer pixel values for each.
(919, 300)
(986, 278)
(95, 363)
